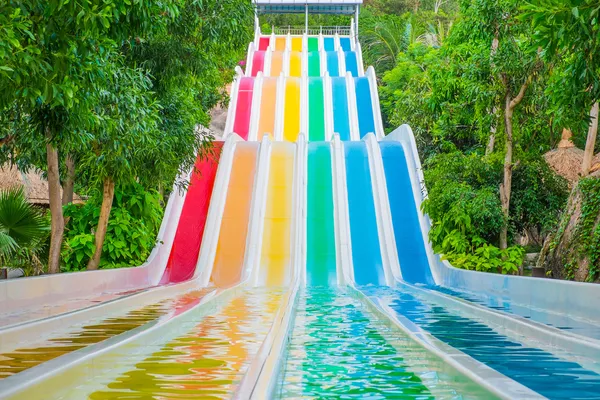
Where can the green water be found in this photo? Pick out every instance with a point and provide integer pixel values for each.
(320, 252)
(339, 349)
(314, 64)
(316, 110)
(313, 44)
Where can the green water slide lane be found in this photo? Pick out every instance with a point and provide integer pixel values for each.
(316, 110)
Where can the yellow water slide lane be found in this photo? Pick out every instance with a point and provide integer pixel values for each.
(291, 122)
(296, 63)
(297, 43)
(229, 258)
(275, 261)
(266, 123)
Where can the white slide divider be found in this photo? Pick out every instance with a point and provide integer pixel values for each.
(328, 104)
(304, 59)
(341, 62)
(268, 61)
(304, 103)
(353, 36)
(321, 42)
(288, 42)
(352, 107)
(336, 42)
(256, 102)
(383, 214)
(249, 60)
(279, 109)
(208, 249)
(257, 214)
(375, 102)
(304, 42)
(257, 33)
(323, 61)
(344, 265)
(235, 87)
(272, 40)
(359, 60)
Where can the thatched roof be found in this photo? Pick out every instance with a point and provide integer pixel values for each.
(36, 187)
(566, 160)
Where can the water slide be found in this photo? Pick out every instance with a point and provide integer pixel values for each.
(307, 272)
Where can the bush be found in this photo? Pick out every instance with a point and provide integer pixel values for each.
(131, 235)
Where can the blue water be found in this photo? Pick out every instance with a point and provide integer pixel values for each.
(341, 122)
(345, 44)
(535, 368)
(351, 63)
(366, 122)
(328, 44)
(366, 254)
(333, 65)
(407, 230)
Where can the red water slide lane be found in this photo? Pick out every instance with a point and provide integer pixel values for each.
(264, 42)
(186, 245)
(241, 125)
(258, 62)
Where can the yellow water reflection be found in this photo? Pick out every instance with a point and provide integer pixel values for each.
(205, 363)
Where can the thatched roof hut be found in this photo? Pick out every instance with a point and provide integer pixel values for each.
(566, 159)
(35, 186)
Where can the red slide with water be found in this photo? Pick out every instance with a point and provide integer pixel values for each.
(186, 245)
(243, 109)
(258, 62)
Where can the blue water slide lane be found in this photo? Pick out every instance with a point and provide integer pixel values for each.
(339, 96)
(535, 368)
(366, 253)
(345, 44)
(333, 63)
(411, 248)
(328, 44)
(351, 63)
(364, 106)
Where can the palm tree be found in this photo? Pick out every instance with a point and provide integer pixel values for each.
(384, 40)
(21, 224)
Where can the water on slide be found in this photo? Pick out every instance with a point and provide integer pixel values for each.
(333, 63)
(320, 234)
(268, 103)
(291, 121)
(204, 356)
(345, 44)
(258, 62)
(410, 246)
(314, 63)
(366, 253)
(296, 63)
(339, 349)
(313, 44)
(231, 246)
(243, 109)
(364, 107)
(297, 43)
(329, 44)
(541, 371)
(280, 43)
(316, 110)
(275, 261)
(264, 42)
(341, 121)
(276, 63)
(351, 63)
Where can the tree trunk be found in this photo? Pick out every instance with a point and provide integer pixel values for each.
(506, 185)
(57, 220)
(67, 196)
(107, 200)
(590, 143)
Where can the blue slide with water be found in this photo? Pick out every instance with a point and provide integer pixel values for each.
(339, 94)
(364, 106)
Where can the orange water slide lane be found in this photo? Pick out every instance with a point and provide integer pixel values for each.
(231, 247)
(280, 42)
(276, 63)
(297, 44)
(188, 237)
(266, 122)
(275, 262)
(296, 63)
(291, 121)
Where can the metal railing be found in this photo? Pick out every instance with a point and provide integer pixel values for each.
(300, 30)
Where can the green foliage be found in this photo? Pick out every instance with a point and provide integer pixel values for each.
(132, 229)
(22, 226)
(586, 239)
